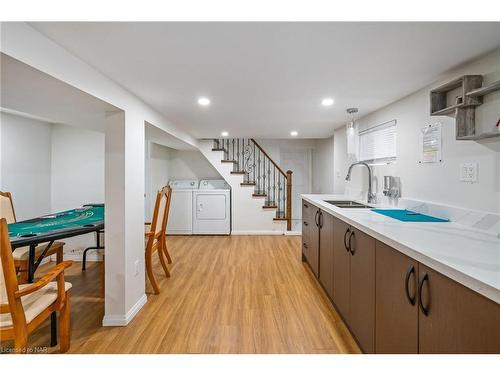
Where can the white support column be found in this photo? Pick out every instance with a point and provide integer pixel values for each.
(124, 220)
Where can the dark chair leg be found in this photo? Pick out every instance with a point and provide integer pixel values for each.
(53, 329)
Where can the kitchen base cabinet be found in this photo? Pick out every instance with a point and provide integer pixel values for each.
(362, 289)
(453, 318)
(390, 302)
(341, 267)
(354, 281)
(310, 236)
(396, 308)
(326, 253)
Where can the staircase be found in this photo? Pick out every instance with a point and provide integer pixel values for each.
(259, 171)
(259, 188)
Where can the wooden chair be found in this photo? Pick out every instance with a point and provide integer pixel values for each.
(23, 308)
(21, 253)
(155, 235)
(168, 191)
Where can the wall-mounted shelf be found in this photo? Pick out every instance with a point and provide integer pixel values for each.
(479, 136)
(446, 99)
(459, 99)
(495, 86)
(448, 111)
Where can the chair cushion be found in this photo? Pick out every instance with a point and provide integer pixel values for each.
(22, 253)
(35, 302)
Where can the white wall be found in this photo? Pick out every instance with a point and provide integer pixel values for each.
(77, 167)
(77, 175)
(323, 156)
(26, 164)
(436, 182)
(185, 164)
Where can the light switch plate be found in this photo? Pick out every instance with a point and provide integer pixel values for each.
(469, 172)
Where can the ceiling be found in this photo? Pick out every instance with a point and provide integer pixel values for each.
(30, 93)
(266, 79)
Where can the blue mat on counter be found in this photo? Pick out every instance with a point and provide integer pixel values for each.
(406, 215)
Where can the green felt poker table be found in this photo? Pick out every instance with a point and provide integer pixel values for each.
(49, 228)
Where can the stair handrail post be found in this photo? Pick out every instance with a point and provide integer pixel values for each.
(289, 200)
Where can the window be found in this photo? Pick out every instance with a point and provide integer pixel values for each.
(378, 143)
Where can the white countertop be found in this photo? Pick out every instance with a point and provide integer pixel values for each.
(466, 255)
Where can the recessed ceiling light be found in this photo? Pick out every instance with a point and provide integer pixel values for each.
(203, 101)
(294, 133)
(224, 134)
(326, 102)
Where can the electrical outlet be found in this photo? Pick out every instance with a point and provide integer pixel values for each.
(136, 267)
(468, 172)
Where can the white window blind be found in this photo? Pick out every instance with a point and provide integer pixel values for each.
(378, 143)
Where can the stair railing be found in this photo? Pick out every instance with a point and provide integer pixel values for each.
(259, 169)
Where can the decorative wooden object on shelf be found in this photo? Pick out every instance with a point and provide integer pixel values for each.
(469, 94)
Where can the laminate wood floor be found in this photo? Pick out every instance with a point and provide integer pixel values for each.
(234, 294)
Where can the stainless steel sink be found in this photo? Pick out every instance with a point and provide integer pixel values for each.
(348, 204)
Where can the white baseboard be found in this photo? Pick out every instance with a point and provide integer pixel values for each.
(78, 257)
(123, 320)
(179, 232)
(258, 233)
(293, 233)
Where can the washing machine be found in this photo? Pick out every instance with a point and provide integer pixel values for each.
(180, 217)
(212, 208)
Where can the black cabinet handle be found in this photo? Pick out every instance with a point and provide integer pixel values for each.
(410, 270)
(345, 238)
(423, 278)
(320, 219)
(351, 250)
(316, 218)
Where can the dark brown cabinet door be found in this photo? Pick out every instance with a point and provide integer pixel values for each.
(306, 227)
(362, 295)
(310, 236)
(454, 319)
(396, 310)
(326, 253)
(341, 268)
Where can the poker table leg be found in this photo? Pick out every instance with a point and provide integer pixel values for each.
(31, 263)
(98, 247)
(53, 329)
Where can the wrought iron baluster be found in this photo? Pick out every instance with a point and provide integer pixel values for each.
(264, 176)
(254, 164)
(232, 158)
(258, 173)
(282, 197)
(274, 185)
(268, 181)
(238, 155)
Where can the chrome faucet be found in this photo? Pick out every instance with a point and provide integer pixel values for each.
(371, 195)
